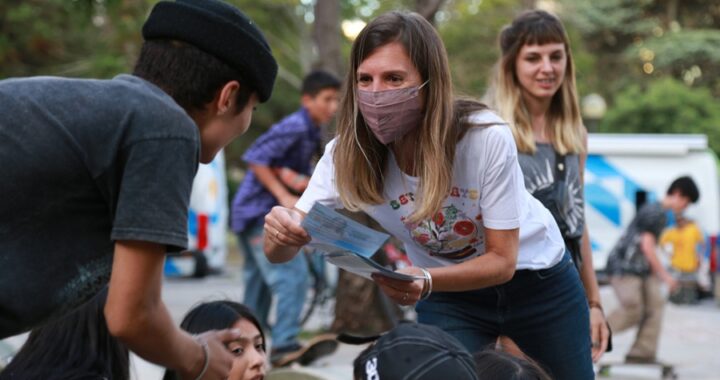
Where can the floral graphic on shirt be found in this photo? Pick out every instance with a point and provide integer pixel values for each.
(450, 234)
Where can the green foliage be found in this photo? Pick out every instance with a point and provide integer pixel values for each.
(469, 30)
(665, 106)
(608, 18)
(639, 41)
(101, 38)
(683, 47)
(692, 55)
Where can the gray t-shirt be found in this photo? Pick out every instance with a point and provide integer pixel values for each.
(626, 256)
(539, 173)
(84, 163)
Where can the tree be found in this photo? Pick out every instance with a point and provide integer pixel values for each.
(665, 106)
(326, 35)
(428, 8)
(640, 40)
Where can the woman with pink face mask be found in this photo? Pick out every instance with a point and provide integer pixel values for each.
(441, 174)
(533, 88)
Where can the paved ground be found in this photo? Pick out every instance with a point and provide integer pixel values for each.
(690, 335)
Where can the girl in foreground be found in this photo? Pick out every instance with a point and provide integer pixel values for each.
(250, 356)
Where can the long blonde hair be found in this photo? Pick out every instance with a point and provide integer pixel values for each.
(360, 159)
(564, 124)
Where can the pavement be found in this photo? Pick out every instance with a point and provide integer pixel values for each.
(689, 340)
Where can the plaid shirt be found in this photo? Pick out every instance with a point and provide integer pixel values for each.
(290, 143)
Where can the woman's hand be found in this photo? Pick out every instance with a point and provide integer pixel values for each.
(599, 333)
(283, 234)
(402, 292)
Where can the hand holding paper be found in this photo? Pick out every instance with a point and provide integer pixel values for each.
(347, 244)
(284, 235)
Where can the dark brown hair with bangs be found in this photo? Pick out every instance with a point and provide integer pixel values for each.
(564, 127)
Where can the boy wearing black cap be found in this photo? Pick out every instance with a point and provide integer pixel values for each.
(98, 176)
(413, 351)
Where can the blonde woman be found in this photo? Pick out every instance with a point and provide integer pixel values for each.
(442, 176)
(534, 90)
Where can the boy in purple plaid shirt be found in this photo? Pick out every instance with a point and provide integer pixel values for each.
(289, 144)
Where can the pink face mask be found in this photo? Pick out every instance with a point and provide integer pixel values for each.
(391, 114)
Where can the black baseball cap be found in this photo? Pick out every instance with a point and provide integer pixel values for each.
(413, 351)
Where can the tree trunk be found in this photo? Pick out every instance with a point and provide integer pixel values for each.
(428, 8)
(326, 36)
(672, 12)
(528, 4)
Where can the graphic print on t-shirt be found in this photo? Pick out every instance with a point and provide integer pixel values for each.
(539, 173)
(450, 234)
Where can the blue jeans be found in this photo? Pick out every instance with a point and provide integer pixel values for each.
(287, 282)
(544, 311)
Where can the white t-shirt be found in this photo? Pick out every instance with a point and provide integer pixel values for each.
(487, 191)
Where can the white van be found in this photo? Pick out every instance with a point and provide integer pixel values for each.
(625, 170)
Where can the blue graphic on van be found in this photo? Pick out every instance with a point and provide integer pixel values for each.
(603, 201)
(603, 169)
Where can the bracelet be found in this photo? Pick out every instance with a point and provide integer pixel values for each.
(427, 285)
(596, 304)
(206, 354)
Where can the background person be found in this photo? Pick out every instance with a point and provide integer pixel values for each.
(687, 242)
(249, 349)
(533, 88)
(442, 176)
(98, 177)
(77, 346)
(496, 364)
(290, 146)
(636, 272)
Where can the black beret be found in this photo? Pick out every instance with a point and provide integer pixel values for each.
(219, 29)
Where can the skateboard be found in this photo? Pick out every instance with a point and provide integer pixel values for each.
(321, 345)
(668, 370)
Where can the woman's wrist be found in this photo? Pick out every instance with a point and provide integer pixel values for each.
(596, 304)
(427, 284)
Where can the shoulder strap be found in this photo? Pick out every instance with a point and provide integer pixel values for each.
(559, 166)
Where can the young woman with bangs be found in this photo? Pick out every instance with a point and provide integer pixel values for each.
(441, 174)
(533, 89)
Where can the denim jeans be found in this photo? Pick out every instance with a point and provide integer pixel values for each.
(287, 282)
(544, 311)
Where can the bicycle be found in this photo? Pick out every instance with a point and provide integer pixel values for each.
(322, 287)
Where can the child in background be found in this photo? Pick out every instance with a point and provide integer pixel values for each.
(688, 243)
(277, 163)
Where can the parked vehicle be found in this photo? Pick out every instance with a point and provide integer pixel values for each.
(624, 171)
(207, 224)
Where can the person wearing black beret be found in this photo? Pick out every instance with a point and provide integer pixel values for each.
(98, 173)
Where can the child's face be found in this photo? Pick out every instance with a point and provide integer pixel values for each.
(250, 357)
(678, 202)
(321, 106)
